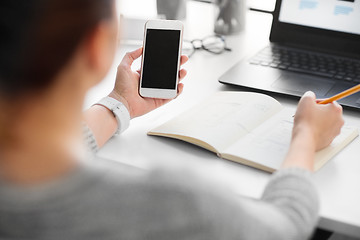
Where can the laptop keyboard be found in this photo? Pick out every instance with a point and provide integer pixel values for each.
(309, 63)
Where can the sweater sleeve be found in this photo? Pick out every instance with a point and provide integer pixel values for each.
(191, 209)
(294, 196)
(288, 210)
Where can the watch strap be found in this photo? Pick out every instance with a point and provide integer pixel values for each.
(119, 110)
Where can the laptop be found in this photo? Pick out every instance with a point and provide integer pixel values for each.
(314, 45)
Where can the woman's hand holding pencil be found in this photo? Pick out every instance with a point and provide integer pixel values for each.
(323, 122)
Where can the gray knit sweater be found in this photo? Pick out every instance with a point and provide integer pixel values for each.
(106, 200)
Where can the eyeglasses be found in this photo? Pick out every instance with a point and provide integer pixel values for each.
(214, 44)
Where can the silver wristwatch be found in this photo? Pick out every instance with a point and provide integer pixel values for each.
(119, 110)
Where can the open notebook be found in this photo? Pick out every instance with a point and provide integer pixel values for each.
(249, 128)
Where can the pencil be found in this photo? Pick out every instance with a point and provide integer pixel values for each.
(342, 95)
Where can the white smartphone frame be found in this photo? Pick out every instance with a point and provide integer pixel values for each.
(156, 92)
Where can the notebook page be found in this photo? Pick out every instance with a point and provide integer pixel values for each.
(268, 144)
(223, 118)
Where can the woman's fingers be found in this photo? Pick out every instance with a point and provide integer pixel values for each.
(183, 59)
(180, 88)
(182, 74)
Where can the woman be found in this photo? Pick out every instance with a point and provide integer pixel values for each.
(53, 52)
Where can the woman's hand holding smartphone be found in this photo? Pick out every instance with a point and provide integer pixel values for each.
(158, 80)
(127, 86)
(161, 59)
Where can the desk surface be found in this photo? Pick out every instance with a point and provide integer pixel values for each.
(338, 182)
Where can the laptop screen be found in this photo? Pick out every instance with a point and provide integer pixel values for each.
(335, 15)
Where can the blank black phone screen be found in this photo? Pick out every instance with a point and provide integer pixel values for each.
(161, 59)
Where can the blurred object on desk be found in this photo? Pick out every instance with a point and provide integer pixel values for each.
(172, 9)
(143, 9)
(132, 30)
(230, 16)
(264, 5)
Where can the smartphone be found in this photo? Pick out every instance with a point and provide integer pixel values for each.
(160, 62)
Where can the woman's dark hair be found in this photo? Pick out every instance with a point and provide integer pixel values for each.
(38, 38)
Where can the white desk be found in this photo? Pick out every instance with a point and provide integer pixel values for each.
(338, 182)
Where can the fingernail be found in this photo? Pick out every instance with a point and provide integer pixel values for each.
(310, 94)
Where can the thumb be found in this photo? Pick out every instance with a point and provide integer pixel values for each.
(130, 57)
(309, 95)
